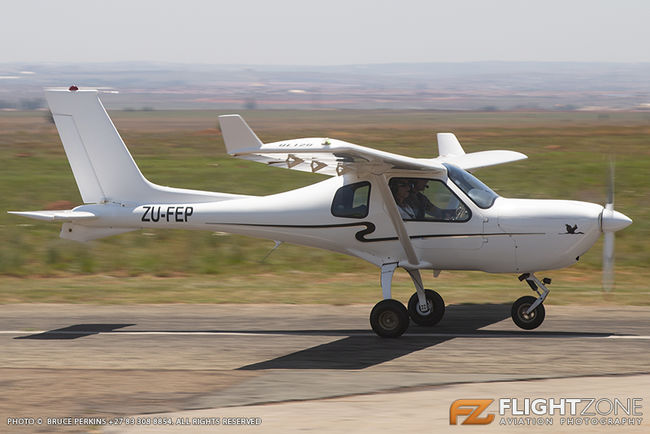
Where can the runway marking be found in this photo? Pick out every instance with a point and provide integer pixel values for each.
(486, 334)
(629, 337)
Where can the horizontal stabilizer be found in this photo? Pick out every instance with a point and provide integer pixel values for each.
(67, 215)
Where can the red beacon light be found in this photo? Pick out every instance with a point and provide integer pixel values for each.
(73, 88)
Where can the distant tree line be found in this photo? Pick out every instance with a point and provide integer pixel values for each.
(23, 104)
(143, 109)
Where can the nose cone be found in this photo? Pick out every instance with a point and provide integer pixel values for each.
(613, 221)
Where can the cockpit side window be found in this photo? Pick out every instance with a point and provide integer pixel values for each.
(352, 200)
(478, 192)
(422, 199)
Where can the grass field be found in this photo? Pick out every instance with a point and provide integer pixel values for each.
(568, 158)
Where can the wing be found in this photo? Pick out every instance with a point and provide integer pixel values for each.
(476, 160)
(336, 157)
(317, 154)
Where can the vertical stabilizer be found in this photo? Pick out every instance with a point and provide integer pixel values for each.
(101, 163)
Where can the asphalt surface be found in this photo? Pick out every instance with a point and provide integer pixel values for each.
(60, 361)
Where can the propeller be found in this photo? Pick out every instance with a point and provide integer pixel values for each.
(608, 261)
(610, 221)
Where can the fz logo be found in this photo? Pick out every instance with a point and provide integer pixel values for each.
(472, 408)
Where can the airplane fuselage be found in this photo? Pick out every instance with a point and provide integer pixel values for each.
(511, 236)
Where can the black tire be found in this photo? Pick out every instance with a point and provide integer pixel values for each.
(530, 321)
(436, 308)
(389, 318)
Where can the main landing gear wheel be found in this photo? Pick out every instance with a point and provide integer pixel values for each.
(389, 318)
(436, 309)
(531, 320)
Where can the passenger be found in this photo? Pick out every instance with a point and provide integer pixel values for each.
(401, 189)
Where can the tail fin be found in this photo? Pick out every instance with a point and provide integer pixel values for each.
(102, 166)
(101, 163)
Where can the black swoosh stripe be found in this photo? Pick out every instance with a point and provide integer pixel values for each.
(370, 228)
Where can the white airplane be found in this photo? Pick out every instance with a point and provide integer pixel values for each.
(390, 210)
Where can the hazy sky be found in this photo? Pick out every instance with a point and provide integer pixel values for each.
(324, 32)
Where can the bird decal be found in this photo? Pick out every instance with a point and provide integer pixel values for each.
(572, 229)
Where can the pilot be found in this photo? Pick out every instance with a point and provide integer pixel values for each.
(420, 203)
(401, 189)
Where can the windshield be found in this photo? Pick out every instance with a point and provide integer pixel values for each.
(421, 199)
(480, 193)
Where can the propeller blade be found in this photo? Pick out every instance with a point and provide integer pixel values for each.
(608, 262)
(610, 183)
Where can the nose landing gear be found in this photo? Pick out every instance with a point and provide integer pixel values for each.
(528, 312)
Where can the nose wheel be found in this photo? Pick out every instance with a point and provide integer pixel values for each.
(524, 319)
(528, 312)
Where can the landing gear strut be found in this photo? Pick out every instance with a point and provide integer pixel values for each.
(390, 319)
(528, 312)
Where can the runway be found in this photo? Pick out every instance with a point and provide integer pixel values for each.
(105, 361)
